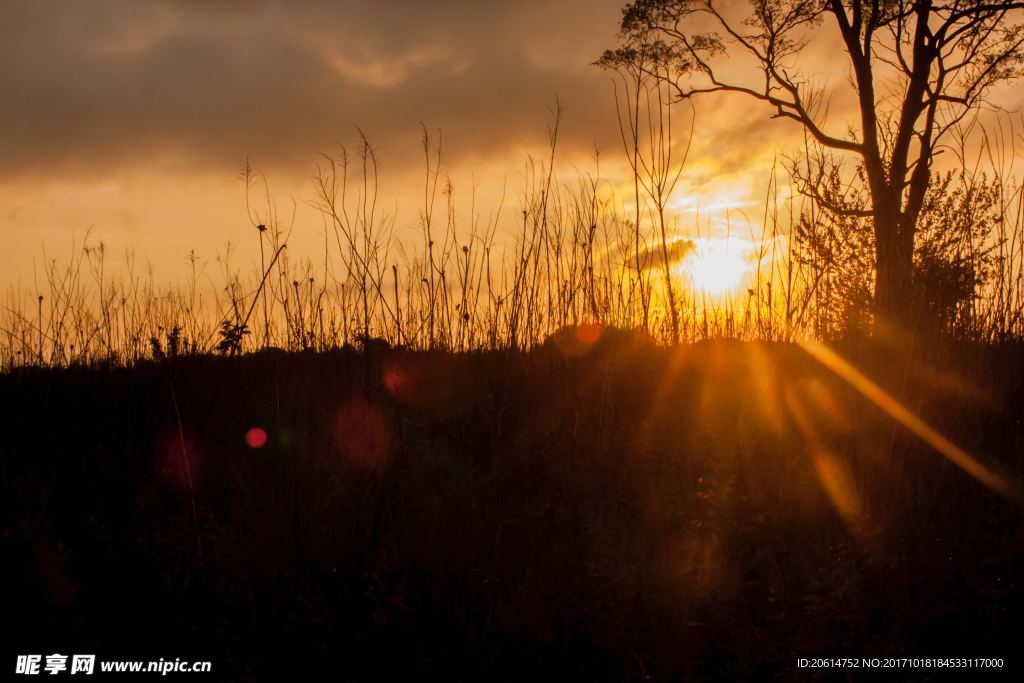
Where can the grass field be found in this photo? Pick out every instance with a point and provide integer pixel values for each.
(718, 375)
(587, 510)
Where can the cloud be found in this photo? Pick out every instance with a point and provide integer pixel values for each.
(135, 116)
(678, 248)
(90, 86)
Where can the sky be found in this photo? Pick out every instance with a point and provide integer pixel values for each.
(132, 119)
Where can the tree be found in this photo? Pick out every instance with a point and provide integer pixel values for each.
(954, 257)
(917, 69)
(656, 158)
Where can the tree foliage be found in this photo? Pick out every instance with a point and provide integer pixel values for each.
(954, 256)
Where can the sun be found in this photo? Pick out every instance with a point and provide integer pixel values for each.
(716, 267)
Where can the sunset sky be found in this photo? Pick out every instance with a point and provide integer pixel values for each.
(134, 117)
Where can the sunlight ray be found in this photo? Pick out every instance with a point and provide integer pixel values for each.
(905, 417)
(833, 474)
(763, 373)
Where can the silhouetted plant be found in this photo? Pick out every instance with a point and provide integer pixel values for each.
(231, 336)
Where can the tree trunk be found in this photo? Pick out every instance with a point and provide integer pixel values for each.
(894, 270)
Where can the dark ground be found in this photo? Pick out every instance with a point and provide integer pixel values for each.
(713, 511)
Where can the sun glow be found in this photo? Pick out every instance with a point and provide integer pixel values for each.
(716, 267)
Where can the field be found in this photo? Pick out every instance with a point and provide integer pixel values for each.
(597, 508)
(325, 354)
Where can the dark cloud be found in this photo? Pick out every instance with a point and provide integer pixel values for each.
(88, 86)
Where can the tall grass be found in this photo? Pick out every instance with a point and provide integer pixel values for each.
(579, 252)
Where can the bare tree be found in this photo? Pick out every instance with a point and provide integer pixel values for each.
(917, 69)
(643, 103)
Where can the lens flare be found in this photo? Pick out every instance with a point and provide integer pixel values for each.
(361, 434)
(833, 473)
(256, 437)
(177, 459)
(901, 414)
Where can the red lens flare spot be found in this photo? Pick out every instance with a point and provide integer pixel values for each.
(395, 379)
(588, 333)
(177, 460)
(576, 340)
(360, 433)
(426, 381)
(256, 437)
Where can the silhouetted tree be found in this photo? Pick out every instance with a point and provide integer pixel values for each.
(656, 158)
(918, 68)
(954, 256)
